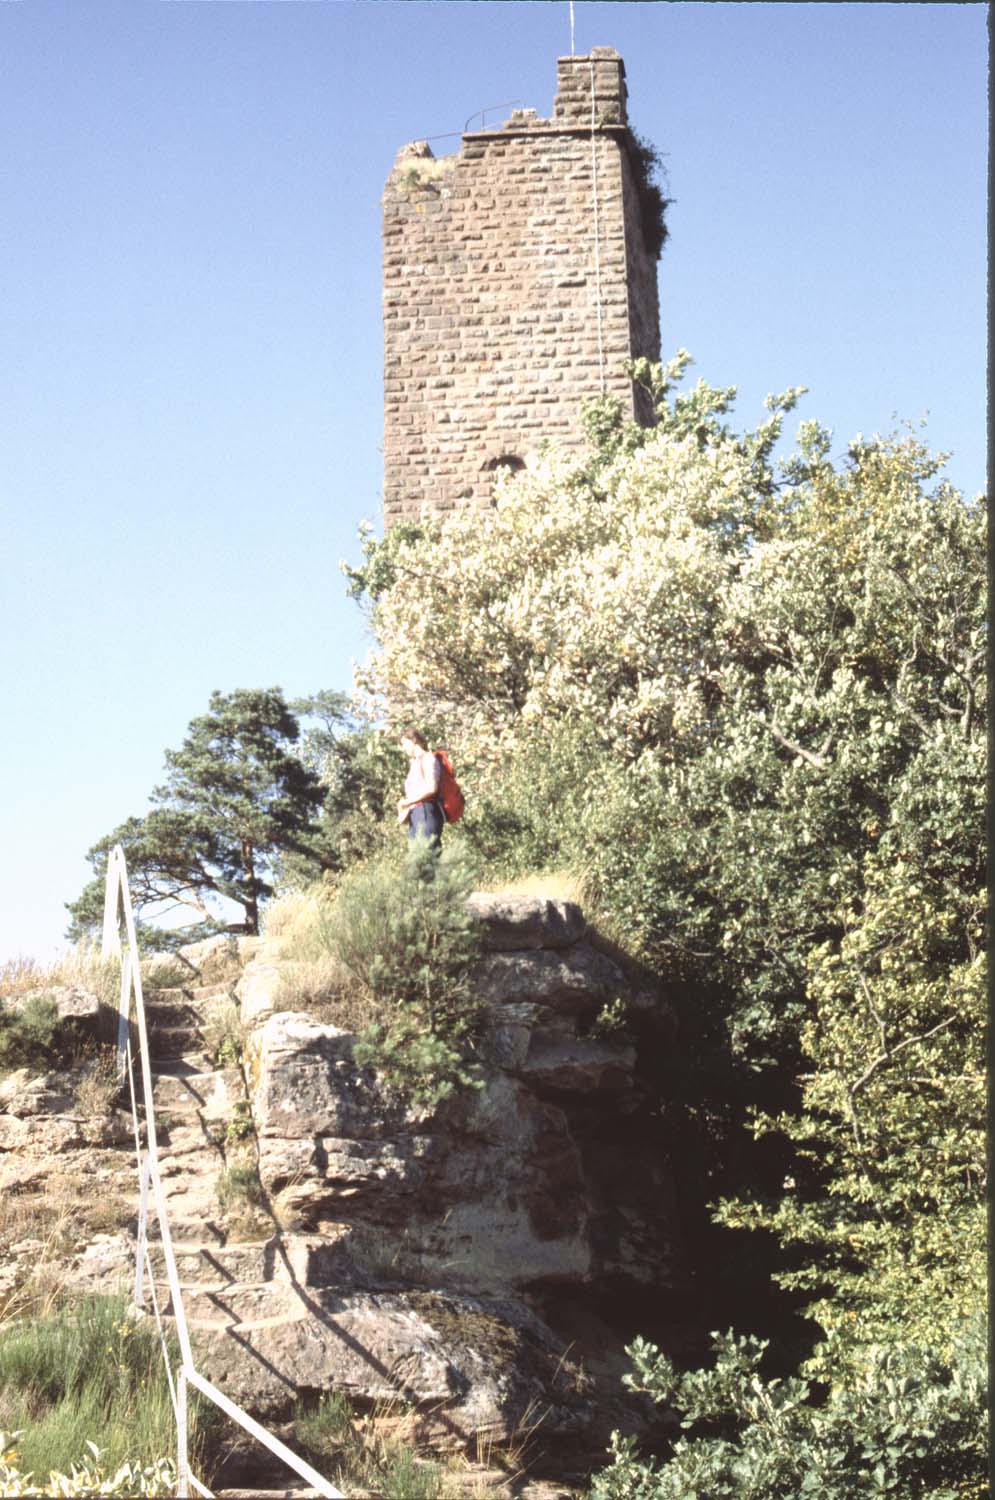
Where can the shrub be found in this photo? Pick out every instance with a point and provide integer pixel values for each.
(89, 1478)
(224, 1033)
(405, 933)
(240, 1126)
(28, 1034)
(31, 1034)
(99, 1086)
(371, 1458)
(898, 1420)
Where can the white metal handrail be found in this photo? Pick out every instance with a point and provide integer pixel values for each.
(117, 903)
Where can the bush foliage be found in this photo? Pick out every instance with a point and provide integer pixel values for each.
(743, 700)
(404, 932)
(28, 1032)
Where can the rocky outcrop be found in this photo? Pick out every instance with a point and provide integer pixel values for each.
(464, 1261)
(429, 1247)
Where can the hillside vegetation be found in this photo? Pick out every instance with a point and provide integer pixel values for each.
(743, 702)
(739, 704)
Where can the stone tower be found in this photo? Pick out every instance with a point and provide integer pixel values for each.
(519, 276)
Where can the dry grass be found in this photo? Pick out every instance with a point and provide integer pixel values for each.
(555, 885)
(224, 1032)
(40, 1282)
(82, 967)
(313, 979)
(19, 976)
(99, 1086)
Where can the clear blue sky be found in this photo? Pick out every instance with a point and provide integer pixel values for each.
(190, 337)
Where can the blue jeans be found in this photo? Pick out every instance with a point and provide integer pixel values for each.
(427, 819)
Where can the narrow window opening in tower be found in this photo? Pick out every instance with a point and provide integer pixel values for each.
(509, 461)
(505, 463)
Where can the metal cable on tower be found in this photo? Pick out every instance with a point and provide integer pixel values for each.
(597, 234)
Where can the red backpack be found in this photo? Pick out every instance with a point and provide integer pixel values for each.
(452, 799)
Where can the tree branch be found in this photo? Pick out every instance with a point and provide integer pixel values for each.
(817, 758)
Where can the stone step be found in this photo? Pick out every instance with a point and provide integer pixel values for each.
(211, 1090)
(201, 1225)
(196, 992)
(181, 1012)
(185, 1138)
(240, 1306)
(191, 1172)
(173, 1041)
(186, 1065)
(250, 1262)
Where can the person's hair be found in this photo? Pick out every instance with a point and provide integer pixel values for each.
(415, 736)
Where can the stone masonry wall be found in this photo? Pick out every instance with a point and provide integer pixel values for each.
(496, 261)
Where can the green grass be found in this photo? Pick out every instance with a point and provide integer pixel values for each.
(240, 1186)
(89, 1373)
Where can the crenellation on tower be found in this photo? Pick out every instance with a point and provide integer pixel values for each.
(591, 86)
(518, 279)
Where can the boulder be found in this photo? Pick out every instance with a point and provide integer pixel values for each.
(476, 1366)
(259, 988)
(305, 1083)
(41, 1135)
(576, 980)
(514, 922)
(72, 1001)
(578, 1065)
(24, 1094)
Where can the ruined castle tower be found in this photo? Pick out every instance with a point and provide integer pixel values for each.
(519, 276)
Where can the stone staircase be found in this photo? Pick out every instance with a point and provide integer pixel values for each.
(230, 1277)
(234, 1275)
(308, 1290)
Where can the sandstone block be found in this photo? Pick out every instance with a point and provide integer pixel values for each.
(305, 1083)
(512, 922)
(576, 980)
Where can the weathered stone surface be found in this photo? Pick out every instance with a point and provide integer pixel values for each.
(72, 1001)
(40, 1134)
(306, 1084)
(106, 1264)
(511, 922)
(329, 1176)
(23, 1093)
(578, 1065)
(509, 1032)
(578, 980)
(20, 1173)
(478, 1366)
(258, 989)
(14, 1085)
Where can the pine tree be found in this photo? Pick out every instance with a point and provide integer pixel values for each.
(235, 798)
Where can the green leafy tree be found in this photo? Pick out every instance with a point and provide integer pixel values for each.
(362, 770)
(743, 700)
(236, 797)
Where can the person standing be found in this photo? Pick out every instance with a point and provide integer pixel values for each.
(421, 805)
